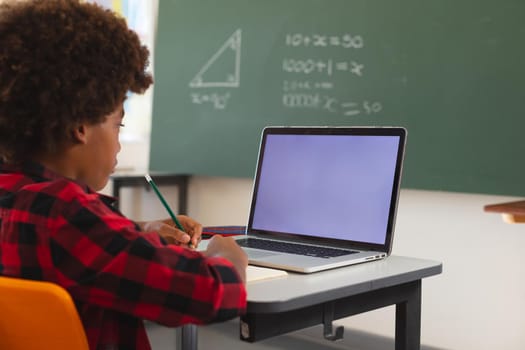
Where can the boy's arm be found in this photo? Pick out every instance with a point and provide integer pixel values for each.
(101, 259)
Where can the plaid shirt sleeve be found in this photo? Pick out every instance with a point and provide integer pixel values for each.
(102, 259)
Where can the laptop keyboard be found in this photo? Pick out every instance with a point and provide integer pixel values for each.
(293, 248)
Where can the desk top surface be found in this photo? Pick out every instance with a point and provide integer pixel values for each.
(298, 290)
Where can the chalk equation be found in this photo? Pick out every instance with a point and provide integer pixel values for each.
(310, 82)
(293, 85)
(331, 104)
(216, 100)
(346, 41)
(328, 67)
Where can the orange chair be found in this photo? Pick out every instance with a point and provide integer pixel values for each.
(38, 315)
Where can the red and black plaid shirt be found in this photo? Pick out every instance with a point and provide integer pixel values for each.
(55, 229)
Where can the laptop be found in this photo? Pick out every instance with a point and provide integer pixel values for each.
(324, 197)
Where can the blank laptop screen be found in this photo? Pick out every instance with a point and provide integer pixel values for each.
(332, 186)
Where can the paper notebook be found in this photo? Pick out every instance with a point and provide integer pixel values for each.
(253, 273)
(257, 273)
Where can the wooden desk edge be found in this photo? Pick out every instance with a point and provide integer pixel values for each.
(512, 212)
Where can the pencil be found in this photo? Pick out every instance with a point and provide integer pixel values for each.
(155, 188)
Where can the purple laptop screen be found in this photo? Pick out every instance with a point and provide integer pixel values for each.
(327, 186)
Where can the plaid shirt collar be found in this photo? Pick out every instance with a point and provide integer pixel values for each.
(38, 173)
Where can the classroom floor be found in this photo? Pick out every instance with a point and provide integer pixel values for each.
(226, 336)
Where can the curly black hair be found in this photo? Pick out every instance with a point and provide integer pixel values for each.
(62, 63)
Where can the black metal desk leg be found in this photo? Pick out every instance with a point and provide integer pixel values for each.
(186, 337)
(408, 319)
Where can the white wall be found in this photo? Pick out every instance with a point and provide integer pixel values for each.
(477, 302)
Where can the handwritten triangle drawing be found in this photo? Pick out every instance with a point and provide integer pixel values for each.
(223, 68)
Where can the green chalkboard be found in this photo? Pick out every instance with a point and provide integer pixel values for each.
(451, 72)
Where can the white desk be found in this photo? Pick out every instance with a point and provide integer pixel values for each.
(287, 304)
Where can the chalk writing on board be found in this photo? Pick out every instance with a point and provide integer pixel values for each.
(232, 79)
(328, 67)
(346, 107)
(218, 101)
(347, 41)
(310, 82)
(293, 85)
(229, 56)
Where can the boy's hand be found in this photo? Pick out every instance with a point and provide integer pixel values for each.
(227, 248)
(169, 231)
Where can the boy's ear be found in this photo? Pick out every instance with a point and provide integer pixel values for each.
(79, 133)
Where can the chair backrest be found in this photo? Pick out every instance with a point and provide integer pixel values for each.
(38, 315)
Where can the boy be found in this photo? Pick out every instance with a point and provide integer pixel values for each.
(65, 69)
